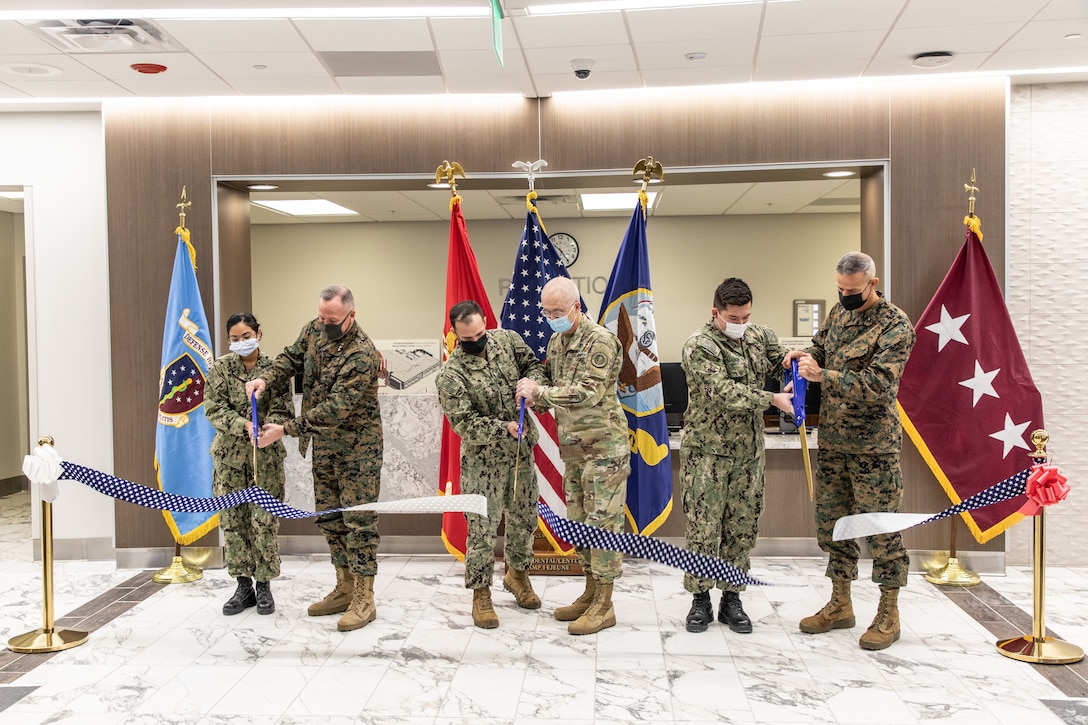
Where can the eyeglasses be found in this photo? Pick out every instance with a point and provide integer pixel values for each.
(556, 314)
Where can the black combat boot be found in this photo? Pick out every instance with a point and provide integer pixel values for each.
(702, 611)
(243, 598)
(732, 613)
(265, 603)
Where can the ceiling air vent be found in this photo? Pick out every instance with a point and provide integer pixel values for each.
(104, 35)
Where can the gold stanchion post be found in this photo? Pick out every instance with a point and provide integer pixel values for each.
(1037, 647)
(48, 638)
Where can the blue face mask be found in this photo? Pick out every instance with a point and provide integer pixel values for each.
(563, 324)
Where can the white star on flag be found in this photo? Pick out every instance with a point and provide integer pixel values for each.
(1012, 436)
(948, 329)
(981, 384)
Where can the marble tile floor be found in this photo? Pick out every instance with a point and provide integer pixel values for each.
(166, 654)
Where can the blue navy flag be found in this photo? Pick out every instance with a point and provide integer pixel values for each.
(537, 262)
(628, 311)
(183, 436)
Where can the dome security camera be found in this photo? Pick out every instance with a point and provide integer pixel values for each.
(582, 67)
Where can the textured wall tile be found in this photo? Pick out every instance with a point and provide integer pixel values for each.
(1061, 236)
(1055, 285)
(1020, 99)
(1059, 135)
(1018, 241)
(1018, 138)
(1058, 185)
(1059, 97)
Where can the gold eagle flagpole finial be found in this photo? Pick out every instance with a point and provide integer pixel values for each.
(649, 168)
(450, 172)
(972, 221)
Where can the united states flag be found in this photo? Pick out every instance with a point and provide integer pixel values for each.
(537, 262)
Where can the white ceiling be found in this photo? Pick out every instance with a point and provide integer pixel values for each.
(753, 41)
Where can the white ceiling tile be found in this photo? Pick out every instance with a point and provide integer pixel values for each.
(7, 91)
(369, 35)
(1062, 10)
(1028, 59)
(589, 29)
(471, 34)
(817, 48)
(280, 86)
(180, 66)
(16, 38)
(811, 70)
(391, 84)
(233, 66)
(521, 83)
(965, 13)
(605, 58)
(849, 189)
(698, 199)
(72, 69)
(272, 34)
(718, 53)
(723, 22)
(480, 62)
(160, 87)
(550, 83)
(986, 37)
(1050, 35)
(701, 76)
(69, 89)
(845, 209)
(829, 16)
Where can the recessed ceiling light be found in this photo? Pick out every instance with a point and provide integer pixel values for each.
(695, 55)
(614, 202)
(1074, 36)
(934, 59)
(839, 174)
(306, 207)
(262, 187)
(438, 185)
(11, 195)
(39, 70)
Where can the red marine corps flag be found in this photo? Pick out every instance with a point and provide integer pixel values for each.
(462, 283)
(966, 398)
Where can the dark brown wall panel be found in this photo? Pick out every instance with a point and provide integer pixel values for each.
(738, 125)
(372, 136)
(235, 273)
(151, 153)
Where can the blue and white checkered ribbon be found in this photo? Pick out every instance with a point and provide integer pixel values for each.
(646, 547)
(881, 522)
(154, 499)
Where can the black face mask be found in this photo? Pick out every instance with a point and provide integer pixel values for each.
(852, 302)
(474, 347)
(334, 332)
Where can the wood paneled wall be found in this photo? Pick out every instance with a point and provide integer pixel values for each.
(932, 134)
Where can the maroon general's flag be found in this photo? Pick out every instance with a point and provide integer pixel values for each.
(967, 399)
(462, 283)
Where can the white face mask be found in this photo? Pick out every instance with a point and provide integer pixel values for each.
(244, 348)
(735, 332)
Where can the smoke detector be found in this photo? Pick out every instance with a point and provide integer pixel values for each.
(105, 35)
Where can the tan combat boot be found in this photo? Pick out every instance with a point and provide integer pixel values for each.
(362, 611)
(600, 614)
(517, 583)
(885, 627)
(836, 614)
(580, 605)
(339, 598)
(483, 613)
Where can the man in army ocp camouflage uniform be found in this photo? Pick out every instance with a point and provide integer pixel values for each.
(476, 390)
(721, 454)
(339, 366)
(858, 358)
(583, 362)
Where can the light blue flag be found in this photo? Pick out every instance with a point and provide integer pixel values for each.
(628, 311)
(183, 435)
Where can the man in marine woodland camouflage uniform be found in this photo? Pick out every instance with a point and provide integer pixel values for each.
(476, 391)
(583, 362)
(339, 366)
(721, 454)
(858, 357)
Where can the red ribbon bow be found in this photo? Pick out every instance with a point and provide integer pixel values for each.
(1045, 486)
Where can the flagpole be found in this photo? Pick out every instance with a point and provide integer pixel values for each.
(48, 638)
(178, 572)
(1037, 647)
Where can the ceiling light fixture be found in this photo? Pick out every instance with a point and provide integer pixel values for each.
(614, 202)
(1074, 36)
(839, 174)
(262, 187)
(11, 195)
(695, 55)
(39, 70)
(933, 59)
(306, 207)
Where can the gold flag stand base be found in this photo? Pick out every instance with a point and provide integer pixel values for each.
(42, 641)
(953, 574)
(177, 573)
(1041, 651)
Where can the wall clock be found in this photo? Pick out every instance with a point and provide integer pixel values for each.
(566, 246)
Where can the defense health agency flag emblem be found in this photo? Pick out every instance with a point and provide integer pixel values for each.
(181, 391)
